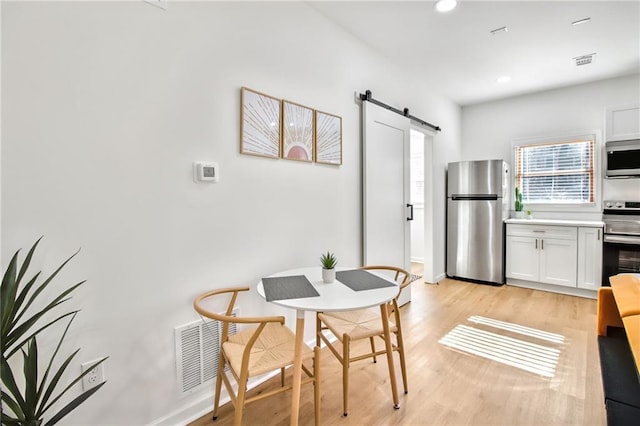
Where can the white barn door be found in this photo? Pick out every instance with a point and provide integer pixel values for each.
(385, 160)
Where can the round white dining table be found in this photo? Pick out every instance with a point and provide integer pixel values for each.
(334, 297)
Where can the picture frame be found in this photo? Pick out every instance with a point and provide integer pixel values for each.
(297, 132)
(260, 124)
(328, 136)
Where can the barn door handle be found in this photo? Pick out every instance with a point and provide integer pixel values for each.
(411, 210)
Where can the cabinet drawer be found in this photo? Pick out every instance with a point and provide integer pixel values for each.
(543, 231)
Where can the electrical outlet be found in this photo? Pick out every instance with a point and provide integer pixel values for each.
(94, 377)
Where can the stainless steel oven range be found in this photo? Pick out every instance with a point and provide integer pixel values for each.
(621, 242)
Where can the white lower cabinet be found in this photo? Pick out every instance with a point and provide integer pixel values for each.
(567, 256)
(589, 258)
(523, 261)
(545, 254)
(558, 261)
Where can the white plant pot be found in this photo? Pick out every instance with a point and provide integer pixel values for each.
(520, 215)
(328, 275)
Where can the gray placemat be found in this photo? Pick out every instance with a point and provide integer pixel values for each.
(359, 280)
(294, 287)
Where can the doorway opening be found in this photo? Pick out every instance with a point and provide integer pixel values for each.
(421, 196)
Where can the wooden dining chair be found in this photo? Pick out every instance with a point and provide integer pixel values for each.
(350, 326)
(270, 346)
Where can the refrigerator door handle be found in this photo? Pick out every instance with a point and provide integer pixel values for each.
(474, 197)
(411, 210)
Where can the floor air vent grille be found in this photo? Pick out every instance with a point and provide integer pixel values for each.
(197, 353)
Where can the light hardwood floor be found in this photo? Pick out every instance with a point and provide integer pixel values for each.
(450, 387)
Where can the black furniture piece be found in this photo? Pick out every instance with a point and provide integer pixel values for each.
(619, 379)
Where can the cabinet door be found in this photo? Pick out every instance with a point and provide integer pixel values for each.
(558, 261)
(589, 258)
(522, 258)
(623, 123)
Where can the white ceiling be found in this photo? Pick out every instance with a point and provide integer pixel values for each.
(457, 51)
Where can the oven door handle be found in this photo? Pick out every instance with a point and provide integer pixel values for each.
(621, 239)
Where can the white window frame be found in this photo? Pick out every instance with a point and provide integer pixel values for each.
(596, 136)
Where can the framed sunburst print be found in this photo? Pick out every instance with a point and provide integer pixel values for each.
(297, 132)
(259, 124)
(328, 137)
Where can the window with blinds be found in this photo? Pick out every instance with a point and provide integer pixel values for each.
(556, 173)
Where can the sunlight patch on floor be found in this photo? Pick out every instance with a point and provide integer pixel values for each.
(517, 353)
(527, 331)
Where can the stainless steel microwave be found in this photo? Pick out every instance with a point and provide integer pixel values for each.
(622, 159)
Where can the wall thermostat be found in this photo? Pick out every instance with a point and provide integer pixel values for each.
(206, 172)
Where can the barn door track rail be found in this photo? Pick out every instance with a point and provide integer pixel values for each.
(367, 97)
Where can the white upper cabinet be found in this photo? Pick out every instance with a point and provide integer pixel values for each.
(623, 123)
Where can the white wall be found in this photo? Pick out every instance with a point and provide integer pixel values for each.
(489, 129)
(106, 106)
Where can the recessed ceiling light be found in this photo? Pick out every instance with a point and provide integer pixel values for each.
(581, 21)
(446, 5)
(503, 79)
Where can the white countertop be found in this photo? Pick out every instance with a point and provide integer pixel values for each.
(557, 222)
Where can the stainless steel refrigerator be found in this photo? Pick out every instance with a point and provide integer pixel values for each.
(477, 205)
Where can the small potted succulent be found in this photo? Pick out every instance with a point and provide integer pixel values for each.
(518, 204)
(328, 261)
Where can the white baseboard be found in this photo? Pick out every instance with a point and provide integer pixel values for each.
(570, 291)
(439, 278)
(202, 404)
(189, 413)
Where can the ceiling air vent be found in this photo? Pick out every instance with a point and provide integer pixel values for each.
(584, 59)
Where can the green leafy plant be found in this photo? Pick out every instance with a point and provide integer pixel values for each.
(518, 205)
(21, 325)
(328, 261)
